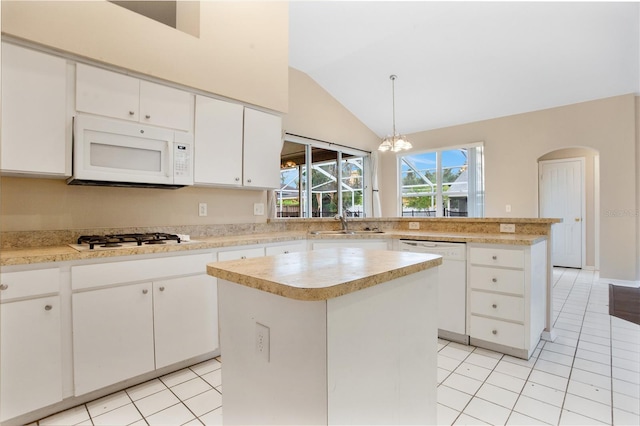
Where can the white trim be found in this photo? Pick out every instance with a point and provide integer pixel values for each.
(596, 208)
(325, 145)
(621, 283)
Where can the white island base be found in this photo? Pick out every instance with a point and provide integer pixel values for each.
(367, 357)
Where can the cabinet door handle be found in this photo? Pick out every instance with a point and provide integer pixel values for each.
(494, 257)
(243, 257)
(145, 291)
(48, 307)
(494, 306)
(248, 180)
(237, 179)
(494, 331)
(286, 252)
(495, 280)
(162, 288)
(147, 116)
(131, 113)
(4, 286)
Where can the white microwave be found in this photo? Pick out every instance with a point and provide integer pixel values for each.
(109, 152)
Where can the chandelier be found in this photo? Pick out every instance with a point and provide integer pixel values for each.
(394, 142)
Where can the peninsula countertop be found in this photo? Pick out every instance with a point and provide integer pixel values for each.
(322, 274)
(34, 255)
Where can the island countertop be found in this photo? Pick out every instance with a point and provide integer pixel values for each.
(322, 274)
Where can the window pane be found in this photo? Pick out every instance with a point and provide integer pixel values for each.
(353, 185)
(291, 194)
(455, 182)
(419, 184)
(324, 183)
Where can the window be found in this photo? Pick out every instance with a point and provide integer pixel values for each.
(336, 183)
(443, 183)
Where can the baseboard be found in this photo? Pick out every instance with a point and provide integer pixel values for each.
(623, 283)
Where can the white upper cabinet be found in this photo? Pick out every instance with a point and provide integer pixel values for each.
(262, 147)
(218, 142)
(236, 146)
(111, 94)
(36, 133)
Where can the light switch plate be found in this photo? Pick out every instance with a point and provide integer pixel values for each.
(258, 209)
(414, 225)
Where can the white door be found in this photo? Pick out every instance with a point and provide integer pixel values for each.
(562, 196)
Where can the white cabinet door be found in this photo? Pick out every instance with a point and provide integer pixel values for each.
(185, 312)
(107, 93)
(286, 248)
(262, 147)
(112, 335)
(218, 142)
(166, 106)
(31, 359)
(36, 133)
(352, 243)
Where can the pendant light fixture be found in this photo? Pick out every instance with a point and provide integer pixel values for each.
(394, 142)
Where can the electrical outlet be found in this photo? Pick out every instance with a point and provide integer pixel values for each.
(414, 225)
(258, 209)
(202, 209)
(262, 341)
(507, 208)
(508, 227)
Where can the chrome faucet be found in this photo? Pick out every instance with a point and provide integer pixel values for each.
(343, 221)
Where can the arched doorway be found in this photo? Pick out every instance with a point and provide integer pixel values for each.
(568, 187)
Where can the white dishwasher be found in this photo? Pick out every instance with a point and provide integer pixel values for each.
(452, 285)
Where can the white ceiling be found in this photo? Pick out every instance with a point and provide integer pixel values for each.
(459, 62)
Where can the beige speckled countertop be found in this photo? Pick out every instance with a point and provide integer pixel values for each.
(34, 255)
(322, 274)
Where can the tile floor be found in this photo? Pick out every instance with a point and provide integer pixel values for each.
(589, 375)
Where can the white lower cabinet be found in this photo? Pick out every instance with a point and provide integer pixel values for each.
(352, 243)
(30, 340)
(31, 360)
(112, 335)
(123, 330)
(185, 318)
(506, 297)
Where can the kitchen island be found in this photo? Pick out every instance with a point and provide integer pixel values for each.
(334, 336)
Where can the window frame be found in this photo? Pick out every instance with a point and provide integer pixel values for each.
(306, 210)
(475, 196)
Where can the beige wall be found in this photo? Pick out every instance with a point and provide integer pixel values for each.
(242, 52)
(512, 147)
(315, 114)
(589, 156)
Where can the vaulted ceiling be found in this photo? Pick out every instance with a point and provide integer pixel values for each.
(459, 62)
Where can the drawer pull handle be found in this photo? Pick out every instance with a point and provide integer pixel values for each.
(147, 116)
(494, 257)
(286, 252)
(243, 257)
(48, 307)
(494, 306)
(145, 291)
(131, 112)
(162, 288)
(495, 280)
(4, 286)
(494, 331)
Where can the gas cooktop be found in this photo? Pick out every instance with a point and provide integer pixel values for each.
(117, 241)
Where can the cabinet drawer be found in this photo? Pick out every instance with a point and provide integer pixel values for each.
(287, 248)
(496, 279)
(509, 258)
(497, 305)
(29, 283)
(496, 331)
(103, 274)
(240, 254)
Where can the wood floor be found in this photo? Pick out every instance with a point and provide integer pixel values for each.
(624, 303)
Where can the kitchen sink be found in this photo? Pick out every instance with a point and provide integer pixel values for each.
(343, 232)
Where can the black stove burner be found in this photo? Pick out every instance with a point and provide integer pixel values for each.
(118, 239)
